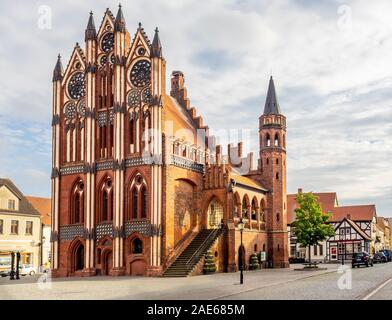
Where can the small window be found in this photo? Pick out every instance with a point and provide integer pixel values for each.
(277, 161)
(29, 227)
(1, 226)
(137, 246)
(277, 176)
(321, 248)
(315, 250)
(14, 227)
(278, 247)
(264, 247)
(11, 204)
(277, 217)
(267, 161)
(255, 248)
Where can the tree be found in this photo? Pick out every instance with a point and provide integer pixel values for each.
(253, 262)
(311, 224)
(209, 263)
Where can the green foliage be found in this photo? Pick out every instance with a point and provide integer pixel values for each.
(253, 262)
(209, 263)
(310, 226)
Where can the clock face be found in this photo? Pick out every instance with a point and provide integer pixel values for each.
(141, 73)
(134, 98)
(70, 111)
(77, 86)
(107, 43)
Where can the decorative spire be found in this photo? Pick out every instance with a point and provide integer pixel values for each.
(58, 70)
(271, 103)
(91, 32)
(156, 47)
(119, 23)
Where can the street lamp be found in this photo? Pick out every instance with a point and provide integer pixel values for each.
(240, 226)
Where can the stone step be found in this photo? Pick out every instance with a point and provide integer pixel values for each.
(180, 268)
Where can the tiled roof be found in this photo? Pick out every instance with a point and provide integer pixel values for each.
(246, 181)
(24, 206)
(179, 117)
(355, 213)
(327, 202)
(43, 206)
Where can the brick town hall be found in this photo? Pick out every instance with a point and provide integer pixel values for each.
(139, 187)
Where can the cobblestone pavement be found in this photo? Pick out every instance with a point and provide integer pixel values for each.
(261, 284)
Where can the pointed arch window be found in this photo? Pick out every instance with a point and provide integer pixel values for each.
(105, 206)
(77, 204)
(106, 201)
(245, 212)
(137, 203)
(254, 209)
(276, 140)
(131, 131)
(77, 207)
(137, 246)
(268, 140)
(144, 202)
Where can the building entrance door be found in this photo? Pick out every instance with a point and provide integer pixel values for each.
(334, 253)
(108, 263)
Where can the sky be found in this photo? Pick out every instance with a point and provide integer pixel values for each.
(331, 62)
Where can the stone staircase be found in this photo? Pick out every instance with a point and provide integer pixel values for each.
(188, 259)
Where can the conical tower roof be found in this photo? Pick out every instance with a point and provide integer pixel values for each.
(271, 103)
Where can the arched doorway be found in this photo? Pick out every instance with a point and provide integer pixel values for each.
(77, 257)
(214, 214)
(107, 262)
(137, 261)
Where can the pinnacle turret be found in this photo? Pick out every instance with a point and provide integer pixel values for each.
(156, 47)
(119, 23)
(91, 32)
(58, 70)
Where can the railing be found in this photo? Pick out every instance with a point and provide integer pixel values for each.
(201, 247)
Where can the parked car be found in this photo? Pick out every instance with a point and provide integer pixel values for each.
(296, 260)
(362, 258)
(5, 272)
(387, 253)
(23, 271)
(27, 269)
(380, 257)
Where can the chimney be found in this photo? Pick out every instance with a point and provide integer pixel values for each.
(218, 154)
(250, 161)
(240, 144)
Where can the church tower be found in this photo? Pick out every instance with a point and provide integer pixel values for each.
(272, 166)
